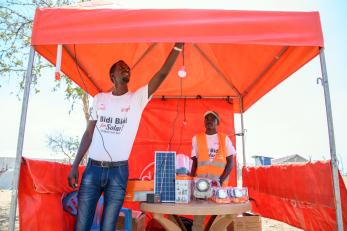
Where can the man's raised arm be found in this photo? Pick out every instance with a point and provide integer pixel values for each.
(159, 77)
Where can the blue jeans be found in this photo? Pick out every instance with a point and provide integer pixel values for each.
(95, 181)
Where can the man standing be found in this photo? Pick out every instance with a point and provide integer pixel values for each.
(212, 155)
(212, 152)
(109, 136)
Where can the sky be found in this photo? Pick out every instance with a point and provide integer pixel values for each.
(288, 120)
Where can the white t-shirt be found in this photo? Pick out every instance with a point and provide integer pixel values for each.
(118, 119)
(213, 146)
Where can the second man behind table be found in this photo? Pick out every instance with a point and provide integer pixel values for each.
(212, 152)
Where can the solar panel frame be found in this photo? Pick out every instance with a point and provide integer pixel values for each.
(165, 175)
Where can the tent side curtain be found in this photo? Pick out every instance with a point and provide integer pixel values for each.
(42, 185)
(171, 124)
(88, 25)
(283, 193)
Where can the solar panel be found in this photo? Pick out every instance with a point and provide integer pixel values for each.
(165, 175)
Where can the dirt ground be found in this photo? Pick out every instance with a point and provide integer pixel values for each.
(5, 202)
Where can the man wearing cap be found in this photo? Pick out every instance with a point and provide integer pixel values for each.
(212, 152)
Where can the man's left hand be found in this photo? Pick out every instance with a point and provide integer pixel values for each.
(221, 180)
(179, 45)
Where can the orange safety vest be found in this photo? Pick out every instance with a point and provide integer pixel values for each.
(211, 169)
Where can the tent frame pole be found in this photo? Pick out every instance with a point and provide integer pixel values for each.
(194, 97)
(28, 80)
(149, 49)
(267, 68)
(219, 72)
(243, 132)
(334, 164)
(79, 66)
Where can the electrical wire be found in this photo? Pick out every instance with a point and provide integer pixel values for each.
(183, 125)
(175, 119)
(163, 163)
(177, 106)
(85, 87)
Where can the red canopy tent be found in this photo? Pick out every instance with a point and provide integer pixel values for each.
(232, 59)
(243, 53)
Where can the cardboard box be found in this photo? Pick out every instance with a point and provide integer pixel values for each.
(246, 222)
(183, 188)
(138, 221)
(137, 190)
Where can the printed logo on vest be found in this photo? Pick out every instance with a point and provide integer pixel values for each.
(212, 153)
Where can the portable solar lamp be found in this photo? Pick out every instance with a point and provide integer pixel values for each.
(202, 188)
(221, 195)
(238, 195)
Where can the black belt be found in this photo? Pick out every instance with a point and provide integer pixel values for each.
(108, 164)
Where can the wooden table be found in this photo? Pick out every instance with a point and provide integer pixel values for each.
(221, 214)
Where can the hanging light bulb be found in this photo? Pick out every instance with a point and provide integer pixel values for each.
(182, 72)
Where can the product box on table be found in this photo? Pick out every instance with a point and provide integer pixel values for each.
(246, 222)
(137, 190)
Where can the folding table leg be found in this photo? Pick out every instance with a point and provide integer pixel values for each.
(178, 221)
(222, 222)
(198, 223)
(166, 223)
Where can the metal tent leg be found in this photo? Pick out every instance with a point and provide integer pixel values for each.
(334, 164)
(28, 78)
(243, 133)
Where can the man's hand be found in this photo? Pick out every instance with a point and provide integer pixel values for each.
(73, 177)
(159, 77)
(85, 143)
(179, 45)
(227, 169)
(221, 180)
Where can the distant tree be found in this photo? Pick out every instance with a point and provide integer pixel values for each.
(16, 20)
(65, 145)
(310, 158)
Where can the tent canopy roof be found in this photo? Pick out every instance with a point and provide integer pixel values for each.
(227, 53)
